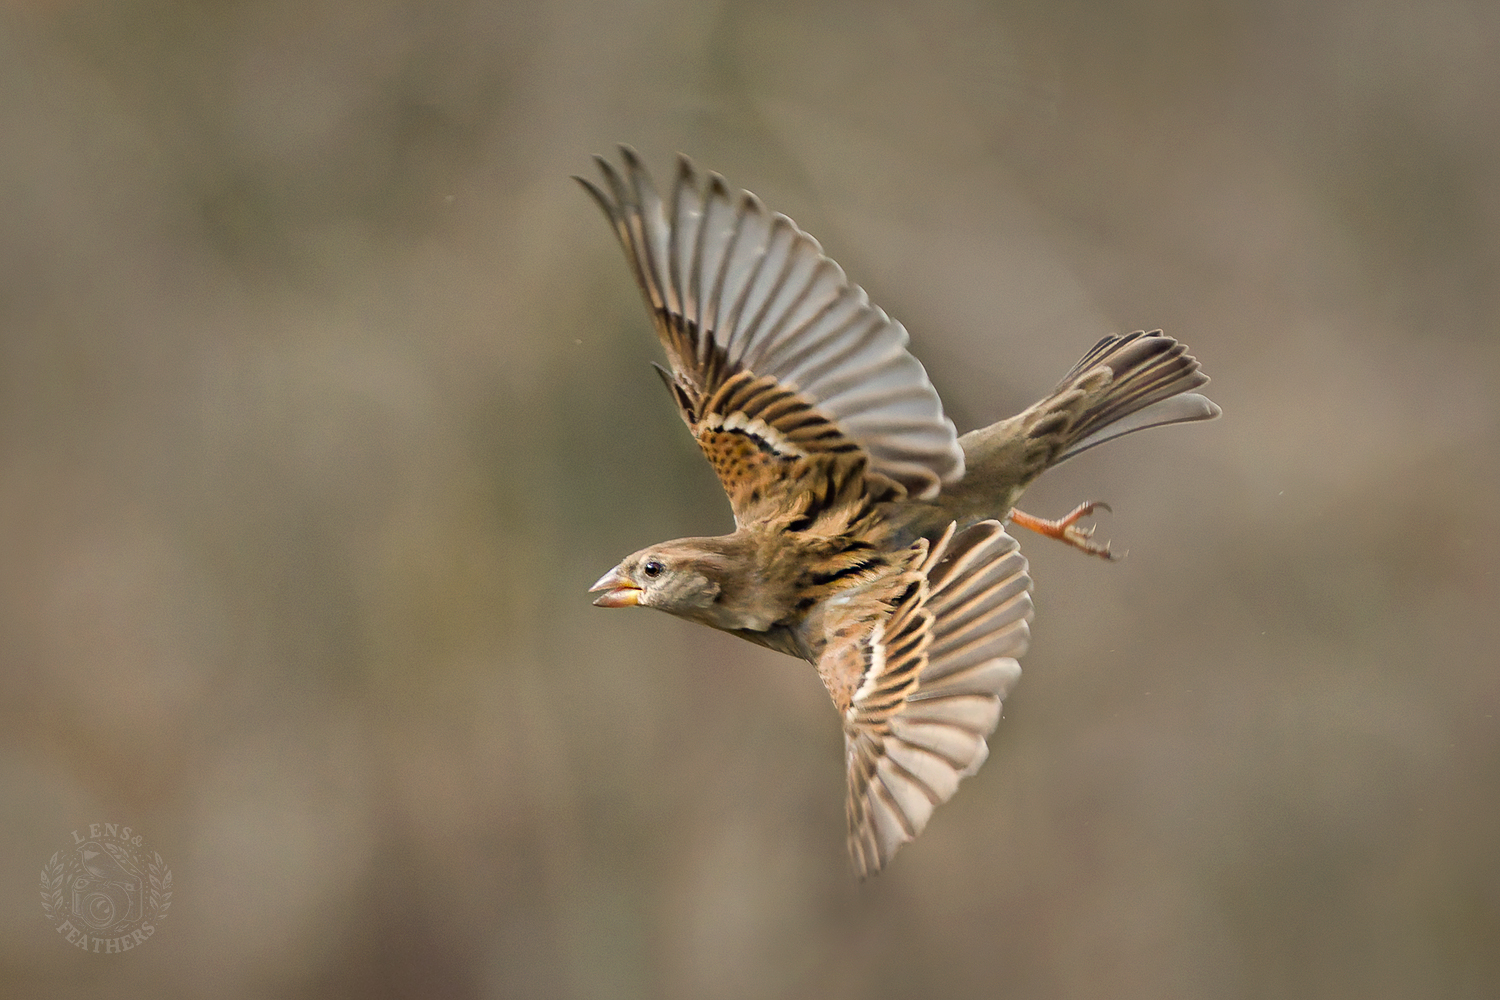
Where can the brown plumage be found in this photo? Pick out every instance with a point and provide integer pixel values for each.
(868, 536)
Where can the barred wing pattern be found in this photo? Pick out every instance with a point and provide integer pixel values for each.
(775, 355)
(936, 673)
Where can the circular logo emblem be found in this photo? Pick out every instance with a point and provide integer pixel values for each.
(104, 892)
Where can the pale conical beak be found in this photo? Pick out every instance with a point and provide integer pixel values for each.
(619, 592)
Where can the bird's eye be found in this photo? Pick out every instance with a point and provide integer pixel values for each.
(653, 568)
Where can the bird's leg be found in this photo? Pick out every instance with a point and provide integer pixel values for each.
(1065, 529)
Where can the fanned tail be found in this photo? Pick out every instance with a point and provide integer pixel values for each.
(1126, 384)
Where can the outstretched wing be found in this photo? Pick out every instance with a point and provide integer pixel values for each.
(776, 357)
(934, 675)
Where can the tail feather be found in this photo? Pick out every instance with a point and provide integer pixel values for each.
(1186, 408)
(1126, 384)
(1123, 384)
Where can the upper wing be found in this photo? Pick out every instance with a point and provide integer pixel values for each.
(775, 355)
(934, 675)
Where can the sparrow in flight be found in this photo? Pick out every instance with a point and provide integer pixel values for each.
(869, 537)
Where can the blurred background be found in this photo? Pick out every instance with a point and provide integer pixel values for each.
(324, 396)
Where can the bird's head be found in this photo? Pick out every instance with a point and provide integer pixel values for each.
(681, 578)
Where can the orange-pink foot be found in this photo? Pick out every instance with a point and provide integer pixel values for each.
(1065, 529)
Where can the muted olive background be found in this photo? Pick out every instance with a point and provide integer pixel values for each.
(324, 396)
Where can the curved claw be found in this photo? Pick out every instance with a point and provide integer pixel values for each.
(1065, 529)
